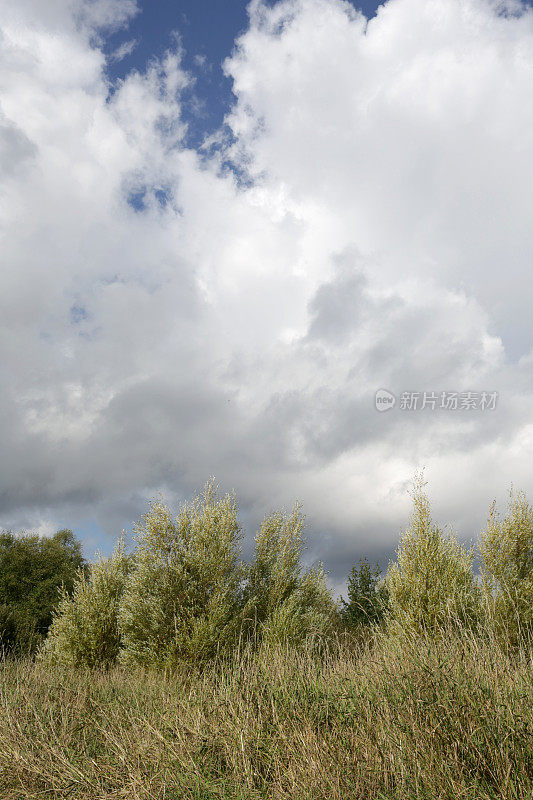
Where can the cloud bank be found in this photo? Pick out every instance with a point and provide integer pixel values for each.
(361, 221)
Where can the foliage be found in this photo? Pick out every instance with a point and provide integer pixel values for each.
(282, 603)
(182, 600)
(186, 597)
(432, 580)
(307, 614)
(507, 569)
(32, 571)
(367, 596)
(85, 631)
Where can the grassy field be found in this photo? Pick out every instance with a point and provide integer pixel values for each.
(418, 718)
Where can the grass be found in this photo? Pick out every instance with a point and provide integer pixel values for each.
(388, 719)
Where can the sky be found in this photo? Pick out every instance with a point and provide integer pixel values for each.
(206, 31)
(284, 244)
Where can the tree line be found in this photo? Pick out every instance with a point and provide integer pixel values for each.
(184, 594)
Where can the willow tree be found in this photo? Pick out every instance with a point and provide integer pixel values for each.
(282, 601)
(182, 601)
(432, 582)
(507, 568)
(85, 629)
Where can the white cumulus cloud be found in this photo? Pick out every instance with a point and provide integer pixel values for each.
(164, 318)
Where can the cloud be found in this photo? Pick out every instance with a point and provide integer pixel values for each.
(125, 49)
(165, 318)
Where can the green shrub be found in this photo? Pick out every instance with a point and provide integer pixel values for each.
(185, 596)
(182, 599)
(32, 571)
(367, 596)
(507, 569)
(432, 580)
(308, 614)
(85, 631)
(282, 604)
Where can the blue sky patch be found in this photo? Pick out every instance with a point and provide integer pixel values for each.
(78, 313)
(207, 30)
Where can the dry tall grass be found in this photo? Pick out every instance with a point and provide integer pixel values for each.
(402, 717)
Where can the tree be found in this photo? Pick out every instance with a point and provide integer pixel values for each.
(432, 581)
(280, 602)
(185, 596)
(32, 572)
(507, 568)
(85, 630)
(181, 603)
(367, 597)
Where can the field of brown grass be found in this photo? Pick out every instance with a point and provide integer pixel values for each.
(411, 717)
